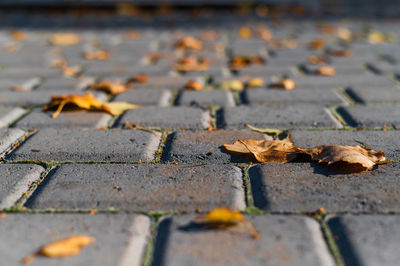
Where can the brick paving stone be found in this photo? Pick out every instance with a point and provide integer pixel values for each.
(38, 119)
(15, 179)
(207, 98)
(59, 83)
(371, 116)
(142, 187)
(375, 95)
(367, 239)
(9, 114)
(167, 117)
(272, 117)
(88, 145)
(145, 97)
(387, 141)
(285, 240)
(299, 96)
(36, 98)
(8, 137)
(163, 82)
(206, 146)
(304, 187)
(120, 239)
(340, 70)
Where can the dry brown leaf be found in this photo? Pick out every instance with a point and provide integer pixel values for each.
(315, 60)
(96, 55)
(69, 246)
(65, 39)
(86, 102)
(318, 43)
(285, 84)
(283, 43)
(341, 53)
(112, 87)
(326, 71)
(239, 62)
(264, 33)
(189, 43)
(18, 35)
(245, 32)
(192, 63)
(139, 78)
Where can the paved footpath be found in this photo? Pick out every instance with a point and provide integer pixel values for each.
(136, 181)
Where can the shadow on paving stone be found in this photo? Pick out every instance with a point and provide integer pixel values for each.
(161, 241)
(346, 248)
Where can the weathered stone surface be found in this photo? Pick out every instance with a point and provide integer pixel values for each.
(285, 240)
(371, 116)
(167, 117)
(88, 145)
(273, 117)
(375, 95)
(14, 180)
(206, 146)
(8, 114)
(38, 119)
(296, 96)
(367, 239)
(142, 187)
(8, 137)
(145, 97)
(207, 98)
(387, 141)
(120, 239)
(304, 187)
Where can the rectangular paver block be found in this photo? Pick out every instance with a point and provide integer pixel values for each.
(206, 146)
(141, 187)
(207, 98)
(167, 117)
(276, 117)
(285, 240)
(120, 239)
(14, 180)
(304, 187)
(367, 239)
(8, 114)
(8, 137)
(88, 145)
(311, 96)
(371, 116)
(375, 95)
(145, 97)
(38, 119)
(387, 141)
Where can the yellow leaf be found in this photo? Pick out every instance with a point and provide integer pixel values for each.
(194, 85)
(234, 85)
(224, 216)
(255, 82)
(318, 43)
(65, 247)
(109, 86)
(117, 108)
(65, 39)
(269, 131)
(86, 102)
(245, 32)
(285, 84)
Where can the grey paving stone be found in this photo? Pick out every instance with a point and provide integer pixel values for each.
(296, 96)
(59, 83)
(167, 117)
(285, 240)
(36, 98)
(145, 97)
(142, 187)
(120, 239)
(387, 141)
(88, 145)
(375, 95)
(8, 114)
(340, 70)
(38, 119)
(14, 180)
(304, 187)
(206, 146)
(207, 98)
(371, 116)
(272, 117)
(367, 239)
(163, 82)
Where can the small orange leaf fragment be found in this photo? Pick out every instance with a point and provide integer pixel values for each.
(285, 84)
(194, 85)
(192, 63)
(65, 39)
(341, 53)
(96, 55)
(132, 34)
(318, 43)
(245, 32)
(326, 71)
(112, 87)
(189, 43)
(3, 215)
(18, 35)
(254, 83)
(140, 78)
(69, 246)
(313, 59)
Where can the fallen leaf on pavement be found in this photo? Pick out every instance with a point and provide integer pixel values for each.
(315, 60)
(140, 78)
(112, 87)
(69, 246)
(239, 62)
(285, 84)
(189, 43)
(18, 35)
(254, 83)
(343, 158)
(274, 132)
(318, 43)
(194, 85)
(87, 102)
(96, 55)
(325, 71)
(341, 53)
(65, 39)
(245, 32)
(192, 63)
(223, 218)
